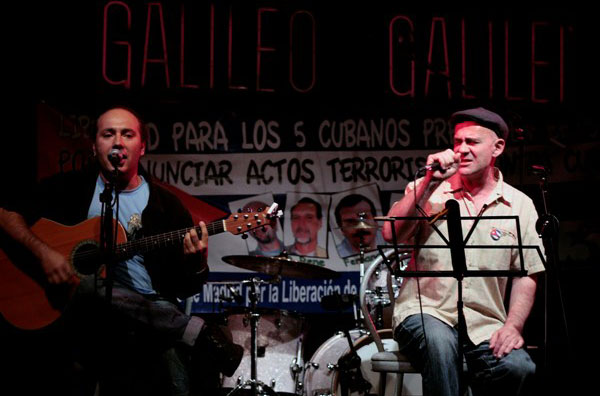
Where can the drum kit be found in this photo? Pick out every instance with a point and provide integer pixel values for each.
(273, 340)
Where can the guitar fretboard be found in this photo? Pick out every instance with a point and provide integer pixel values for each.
(167, 239)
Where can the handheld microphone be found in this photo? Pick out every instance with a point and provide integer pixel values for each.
(434, 166)
(115, 156)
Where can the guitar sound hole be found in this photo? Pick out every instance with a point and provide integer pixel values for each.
(86, 259)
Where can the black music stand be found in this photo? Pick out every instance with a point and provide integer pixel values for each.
(457, 247)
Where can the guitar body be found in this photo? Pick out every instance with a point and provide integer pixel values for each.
(27, 301)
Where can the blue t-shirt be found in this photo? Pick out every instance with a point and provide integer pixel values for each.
(131, 272)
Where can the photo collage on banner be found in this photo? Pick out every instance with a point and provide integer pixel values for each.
(315, 229)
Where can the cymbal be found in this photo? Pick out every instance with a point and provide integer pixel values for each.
(281, 266)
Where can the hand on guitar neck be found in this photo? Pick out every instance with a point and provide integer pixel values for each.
(194, 243)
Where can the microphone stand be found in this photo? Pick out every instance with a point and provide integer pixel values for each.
(359, 316)
(257, 387)
(547, 227)
(107, 233)
(459, 266)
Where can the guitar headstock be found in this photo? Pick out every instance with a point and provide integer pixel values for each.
(241, 222)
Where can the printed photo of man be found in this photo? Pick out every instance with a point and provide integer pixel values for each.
(354, 216)
(267, 241)
(306, 220)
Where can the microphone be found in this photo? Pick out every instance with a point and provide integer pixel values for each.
(539, 170)
(434, 166)
(115, 156)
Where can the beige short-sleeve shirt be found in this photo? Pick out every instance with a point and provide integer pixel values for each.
(483, 297)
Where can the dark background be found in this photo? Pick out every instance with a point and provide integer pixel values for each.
(52, 53)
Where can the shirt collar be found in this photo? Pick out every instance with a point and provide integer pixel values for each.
(500, 193)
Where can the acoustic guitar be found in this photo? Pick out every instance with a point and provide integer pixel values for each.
(29, 302)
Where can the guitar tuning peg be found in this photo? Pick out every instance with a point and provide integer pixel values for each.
(239, 210)
(244, 236)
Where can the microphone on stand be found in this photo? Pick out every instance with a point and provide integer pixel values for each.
(115, 156)
(539, 170)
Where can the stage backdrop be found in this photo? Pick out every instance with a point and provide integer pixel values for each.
(306, 103)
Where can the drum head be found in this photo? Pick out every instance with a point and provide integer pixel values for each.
(279, 341)
(322, 376)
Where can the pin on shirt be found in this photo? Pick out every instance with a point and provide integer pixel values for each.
(134, 225)
(498, 233)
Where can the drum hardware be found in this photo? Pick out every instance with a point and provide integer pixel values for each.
(348, 365)
(276, 267)
(379, 301)
(347, 369)
(257, 387)
(322, 374)
(280, 341)
(296, 368)
(362, 226)
(351, 378)
(383, 286)
(281, 266)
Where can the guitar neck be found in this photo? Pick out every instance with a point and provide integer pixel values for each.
(168, 239)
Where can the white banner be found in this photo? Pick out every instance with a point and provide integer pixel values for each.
(282, 172)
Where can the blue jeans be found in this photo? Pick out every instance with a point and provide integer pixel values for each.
(135, 348)
(437, 357)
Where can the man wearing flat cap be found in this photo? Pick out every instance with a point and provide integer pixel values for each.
(425, 313)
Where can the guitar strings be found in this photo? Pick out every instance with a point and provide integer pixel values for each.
(145, 244)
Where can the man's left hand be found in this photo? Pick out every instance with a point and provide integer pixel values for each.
(504, 340)
(192, 243)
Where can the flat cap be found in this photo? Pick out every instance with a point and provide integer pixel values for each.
(482, 117)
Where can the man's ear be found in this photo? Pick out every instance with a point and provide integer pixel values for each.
(498, 147)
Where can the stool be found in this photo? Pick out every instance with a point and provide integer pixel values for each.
(383, 361)
(391, 362)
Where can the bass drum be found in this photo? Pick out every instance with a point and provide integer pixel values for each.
(279, 335)
(322, 377)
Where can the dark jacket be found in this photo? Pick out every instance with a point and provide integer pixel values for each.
(65, 198)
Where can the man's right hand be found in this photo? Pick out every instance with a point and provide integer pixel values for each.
(55, 265)
(449, 162)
